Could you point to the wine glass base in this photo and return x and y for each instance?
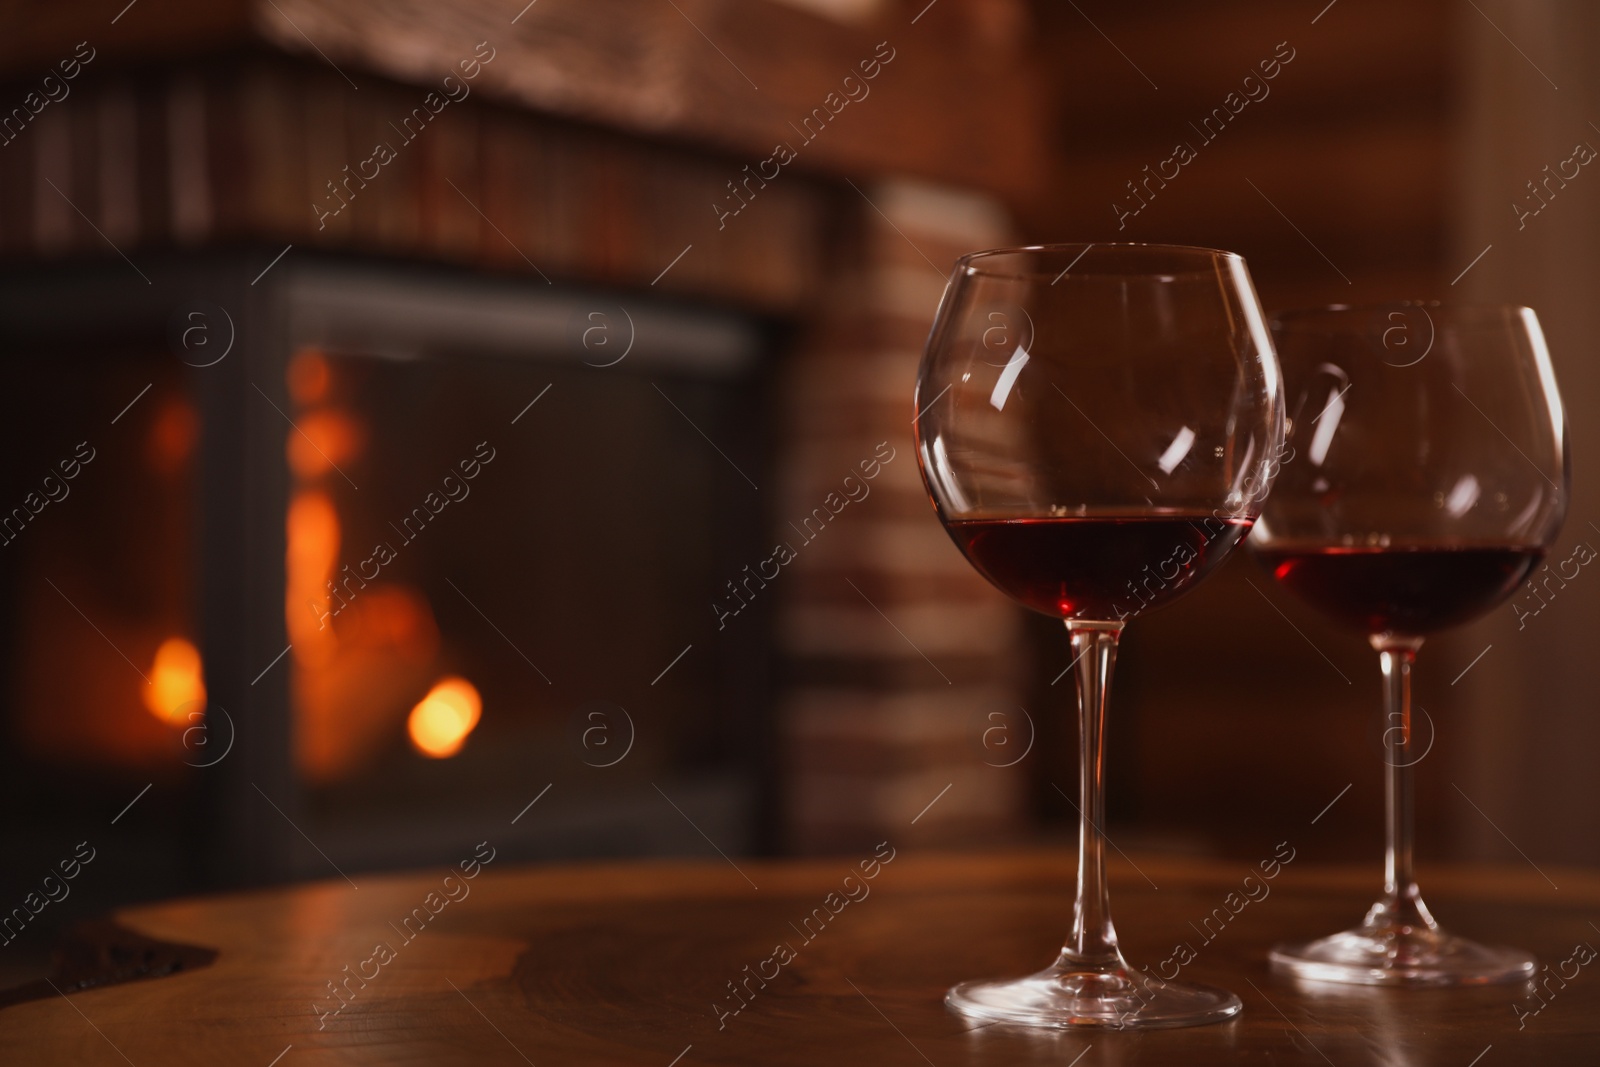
(1065, 997)
(1402, 956)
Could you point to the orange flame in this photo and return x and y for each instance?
(313, 551)
(309, 377)
(441, 721)
(174, 432)
(323, 439)
(176, 681)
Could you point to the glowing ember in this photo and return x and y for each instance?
(176, 681)
(441, 721)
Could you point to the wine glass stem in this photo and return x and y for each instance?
(1093, 941)
(1396, 657)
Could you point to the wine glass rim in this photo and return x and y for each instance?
(1473, 306)
(971, 262)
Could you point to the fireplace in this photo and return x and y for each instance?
(470, 581)
(452, 513)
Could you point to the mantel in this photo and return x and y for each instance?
(959, 104)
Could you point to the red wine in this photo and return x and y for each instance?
(1402, 589)
(1100, 568)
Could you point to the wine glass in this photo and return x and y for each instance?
(1428, 477)
(1097, 426)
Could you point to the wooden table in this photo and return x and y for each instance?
(626, 964)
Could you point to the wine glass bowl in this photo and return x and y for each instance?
(1428, 477)
(1047, 354)
(1460, 443)
(1097, 426)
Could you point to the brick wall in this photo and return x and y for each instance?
(895, 648)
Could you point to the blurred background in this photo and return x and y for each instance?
(436, 423)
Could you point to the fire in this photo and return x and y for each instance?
(174, 432)
(363, 647)
(309, 377)
(441, 721)
(321, 440)
(313, 552)
(176, 681)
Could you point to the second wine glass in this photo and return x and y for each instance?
(1429, 476)
(1097, 426)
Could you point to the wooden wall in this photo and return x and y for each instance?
(1233, 729)
(1349, 143)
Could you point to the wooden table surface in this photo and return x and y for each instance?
(628, 964)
